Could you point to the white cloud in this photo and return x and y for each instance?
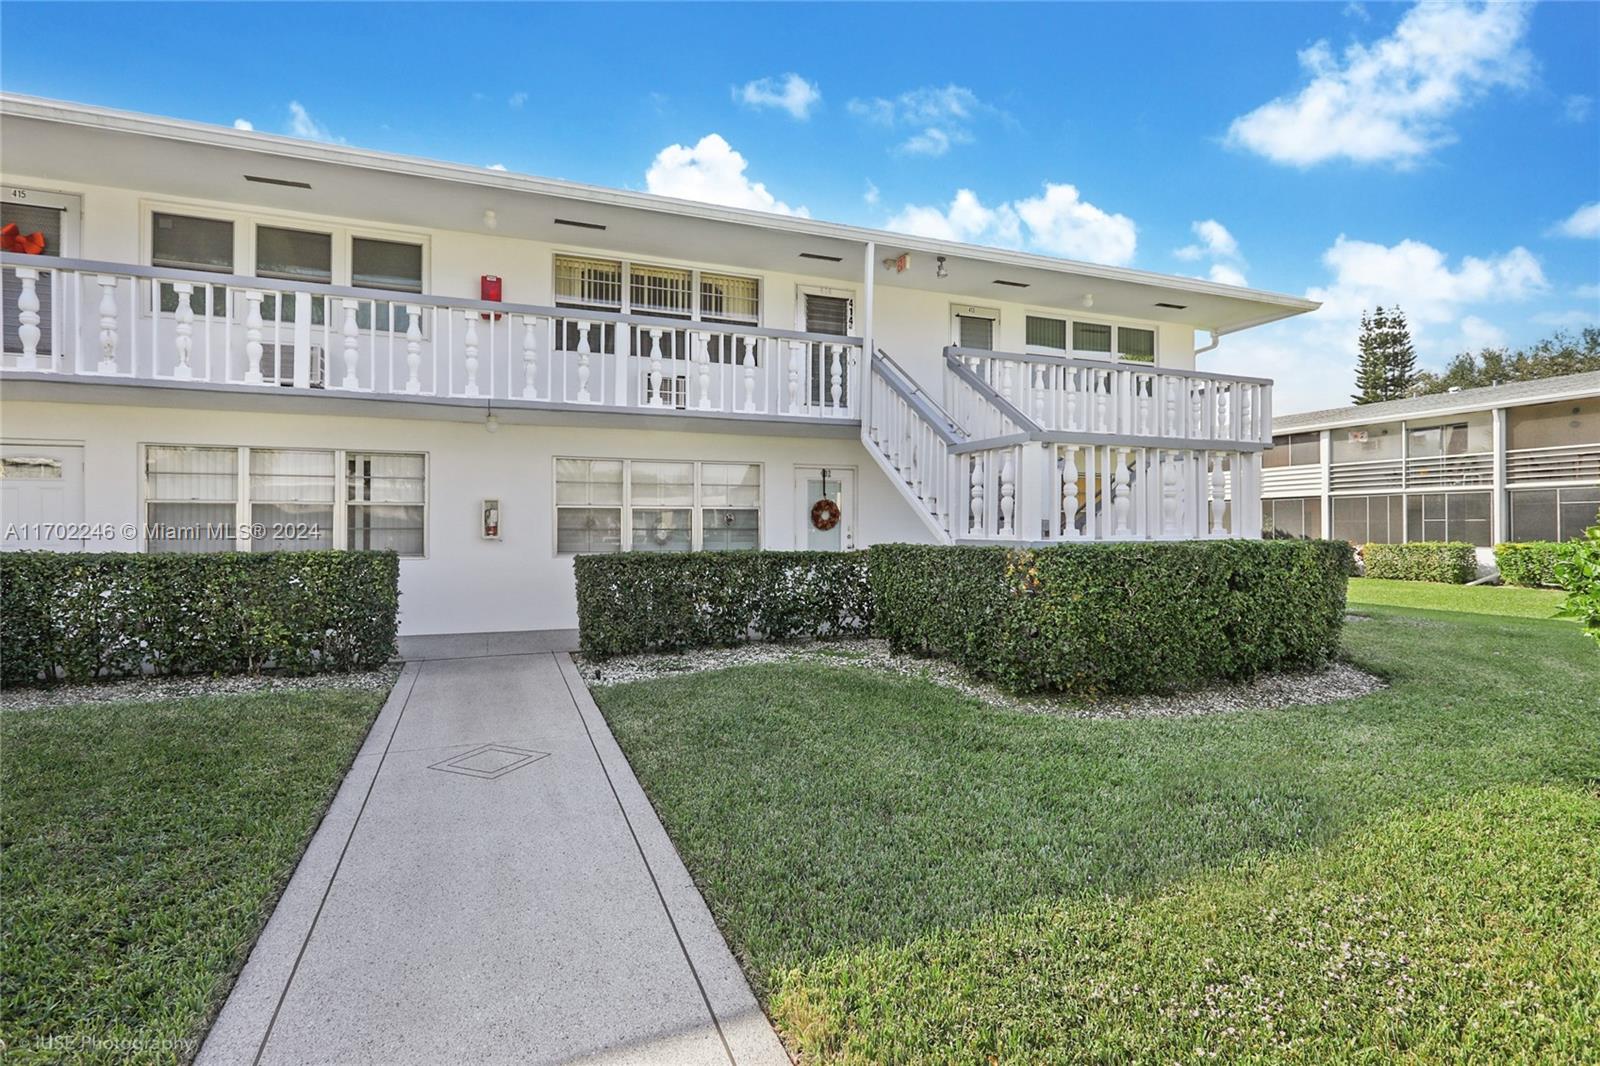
(1566, 319)
(1312, 357)
(516, 100)
(243, 124)
(790, 93)
(495, 166)
(1587, 292)
(711, 172)
(933, 118)
(1477, 334)
(1389, 102)
(301, 124)
(870, 197)
(1584, 222)
(1223, 274)
(1577, 107)
(1057, 222)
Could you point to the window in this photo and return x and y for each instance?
(191, 498)
(1050, 333)
(294, 255)
(1294, 449)
(1369, 519)
(726, 298)
(1136, 344)
(595, 284)
(588, 505)
(394, 266)
(291, 500)
(1297, 517)
(384, 497)
(193, 495)
(611, 505)
(1553, 514)
(1437, 440)
(1553, 425)
(662, 512)
(830, 315)
(1359, 443)
(975, 331)
(660, 291)
(1460, 516)
(185, 242)
(1091, 337)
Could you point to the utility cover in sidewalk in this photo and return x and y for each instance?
(490, 761)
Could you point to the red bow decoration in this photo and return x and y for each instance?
(14, 240)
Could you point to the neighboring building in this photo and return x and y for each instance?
(1509, 462)
(236, 341)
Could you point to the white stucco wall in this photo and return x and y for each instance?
(466, 583)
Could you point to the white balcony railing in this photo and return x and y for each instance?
(1566, 462)
(110, 321)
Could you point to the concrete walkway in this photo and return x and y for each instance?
(491, 885)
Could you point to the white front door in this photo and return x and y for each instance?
(41, 496)
(812, 485)
(53, 219)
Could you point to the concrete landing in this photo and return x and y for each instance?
(491, 885)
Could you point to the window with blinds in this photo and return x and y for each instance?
(1091, 337)
(191, 498)
(1048, 333)
(395, 266)
(828, 315)
(291, 500)
(730, 506)
(660, 291)
(975, 331)
(728, 298)
(186, 242)
(293, 255)
(589, 506)
(1136, 344)
(384, 499)
(612, 505)
(661, 511)
(591, 283)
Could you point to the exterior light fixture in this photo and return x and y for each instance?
(490, 219)
(939, 269)
(1088, 299)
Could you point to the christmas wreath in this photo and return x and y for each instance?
(824, 514)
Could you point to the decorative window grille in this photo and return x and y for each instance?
(727, 298)
(660, 291)
(591, 283)
(384, 500)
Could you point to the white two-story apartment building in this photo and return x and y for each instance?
(219, 340)
(1512, 462)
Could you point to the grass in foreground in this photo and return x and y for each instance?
(833, 817)
(1504, 600)
(144, 847)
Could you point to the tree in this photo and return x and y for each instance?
(1387, 366)
(1554, 356)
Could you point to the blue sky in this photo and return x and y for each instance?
(1441, 156)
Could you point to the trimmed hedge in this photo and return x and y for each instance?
(1450, 562)
(1579, 574)
(1126, 618)
(641, 601)
(83, 615)
(1533, 563)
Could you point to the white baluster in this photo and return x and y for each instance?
(1143, 384)
(351, 333)
(1196, 410)
(1246, 394)
(108, 323)
(1121, 501)
(1008, 493)
(1005, 380)
(977, 525)
(28, 331)
(184, 341)
(836, 374)
(1102, 398)
(252, 339)
(1224, 422)
(1070, 380)
(702, 358)
(796, 354)
(1069, 491)
(1170, 427)
(583, 362)
(1218, 492)
(748, 358)
(1170, 487)
(414, 347)
(652, 341)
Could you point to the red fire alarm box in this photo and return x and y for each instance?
(489, 291)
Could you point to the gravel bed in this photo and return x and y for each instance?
(148, 689)
(1337, 681)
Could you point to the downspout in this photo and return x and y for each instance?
(1216, 339)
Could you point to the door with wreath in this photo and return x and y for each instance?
(825, 508)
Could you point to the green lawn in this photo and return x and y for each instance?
(144, 846)
(1505, 600)
(908, 875)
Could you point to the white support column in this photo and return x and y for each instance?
(1499, 504)
(863, 401)
(1326, 491)
(1035, 489)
